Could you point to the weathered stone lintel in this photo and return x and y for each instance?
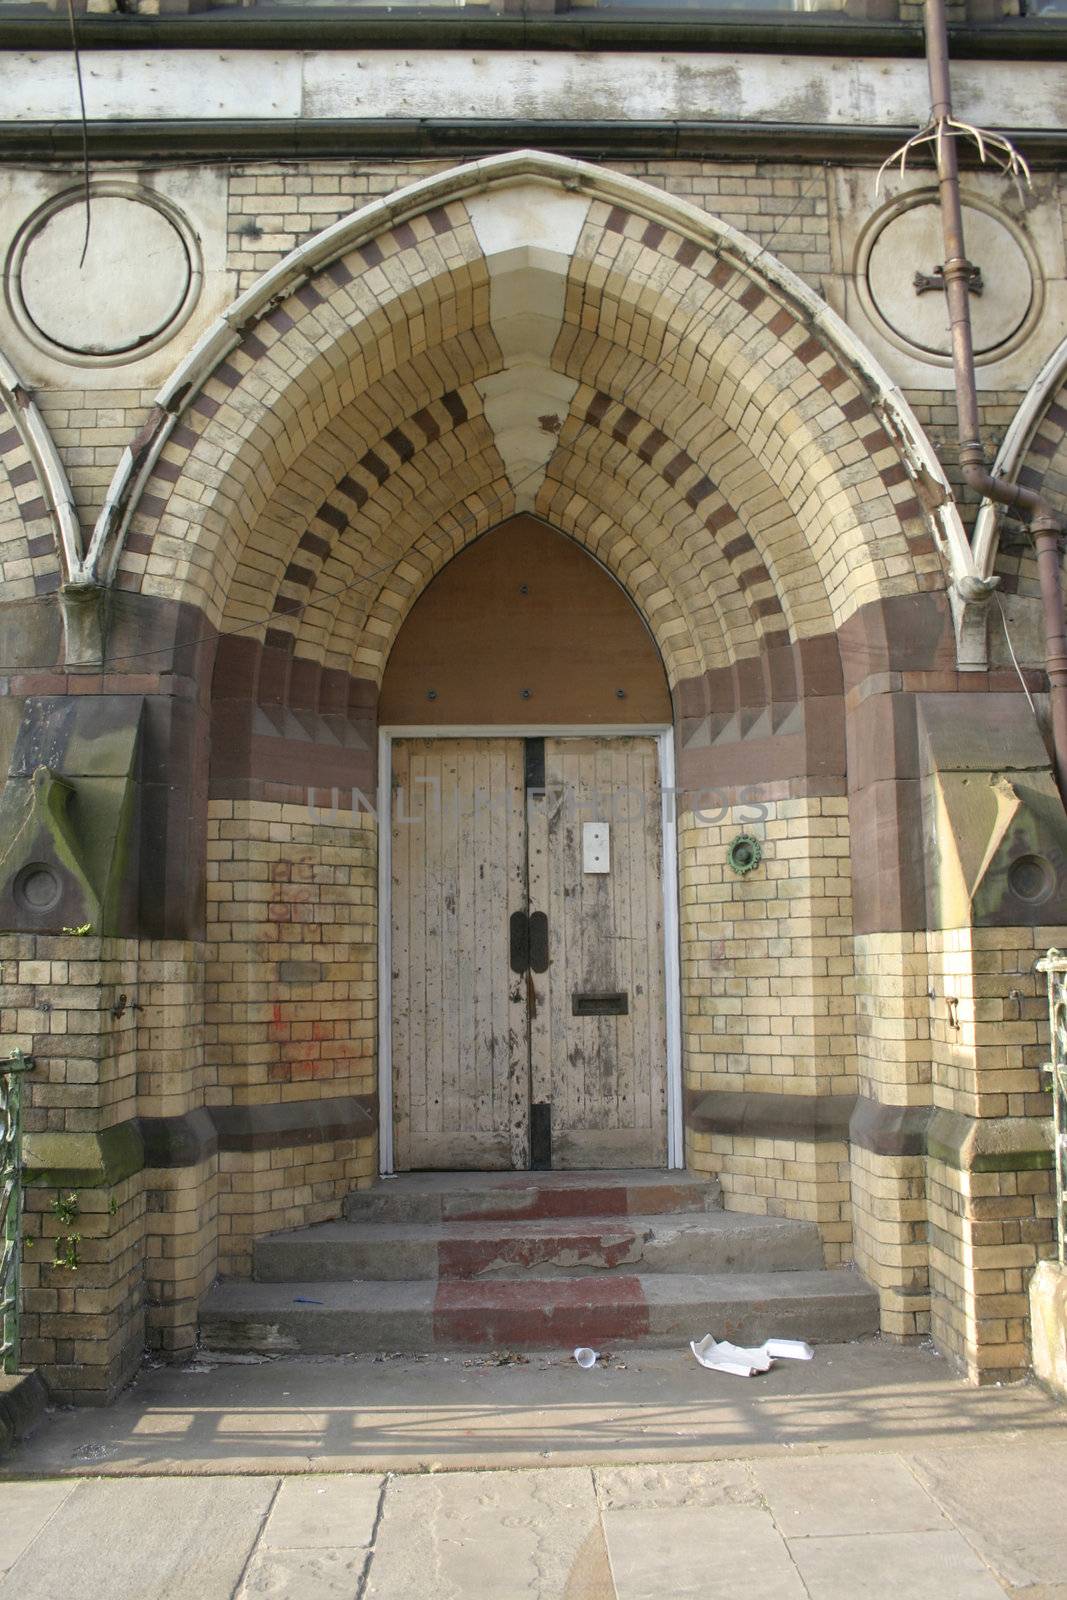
(819, 1118)
(889, 1130)
(248, 1128)
(83, 1160)
(990, 1144)
(100, 1160)
(971, 1144)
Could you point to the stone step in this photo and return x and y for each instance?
(530, 1196)
(702, 1242)
(651, 1309)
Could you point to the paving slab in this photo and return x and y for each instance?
(1016, 1520)
(115, 1539)
(403, 1415)
(697, 1483)
(324, 1513)
(919, 1566)
(302, 1575)
(699, 1553)
(27, 1507)
(466, 1536)
(658, 1531)
(846, 1495)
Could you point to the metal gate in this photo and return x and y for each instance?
(11, 1072)
(1055, 967)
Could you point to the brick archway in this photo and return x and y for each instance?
(525, 334)
(683, 383)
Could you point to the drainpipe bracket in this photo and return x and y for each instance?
(969, 597)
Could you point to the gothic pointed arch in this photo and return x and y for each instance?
(529, 333)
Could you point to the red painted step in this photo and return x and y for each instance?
(690, 1241)
(658, 1309)
(537, 1261)
(530, 1196)
(528, 1314)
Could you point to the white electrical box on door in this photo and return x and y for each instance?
(596, 847)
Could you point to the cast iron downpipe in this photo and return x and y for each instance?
(1045, 523)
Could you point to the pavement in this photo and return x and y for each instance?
(870, 1471)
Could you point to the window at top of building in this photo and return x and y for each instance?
(907, 12)
(586, 10)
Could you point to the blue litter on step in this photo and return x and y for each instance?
(301, 1300)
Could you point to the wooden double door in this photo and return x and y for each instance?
(528, 1014)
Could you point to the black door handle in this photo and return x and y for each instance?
(519, 941)
(538, 942)
(528, 941)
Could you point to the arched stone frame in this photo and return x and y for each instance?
(767, 308)
(40, 537)
(531, 331)
(1016, 444)
(1033, 453)
(746, 584)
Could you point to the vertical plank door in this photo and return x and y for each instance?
(459, 1023)
(603, 1073)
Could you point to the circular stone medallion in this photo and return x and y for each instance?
(1032, 879)
(910, 241)
(37, 889)
(133, 284)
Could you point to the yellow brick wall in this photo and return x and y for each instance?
(989, 1018)
(268, 1190)
(893, 1017)
(989, 1039)
(767, 1002)
(181, 1251)
(889, 1219)
(286, 887)
(767, 958)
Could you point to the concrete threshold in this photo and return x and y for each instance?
(451, 1412)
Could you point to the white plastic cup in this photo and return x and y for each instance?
(585, 1357)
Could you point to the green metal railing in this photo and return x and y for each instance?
(11, 1074)
(1055, 968)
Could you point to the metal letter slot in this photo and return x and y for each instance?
(600, 1005)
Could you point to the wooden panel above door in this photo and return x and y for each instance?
(524, 628)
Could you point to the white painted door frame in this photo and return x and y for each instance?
(664, 736)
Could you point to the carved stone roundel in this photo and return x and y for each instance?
(911, 242)
(133, 284)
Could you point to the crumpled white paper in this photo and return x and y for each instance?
(726, 1357)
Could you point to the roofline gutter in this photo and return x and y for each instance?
(432, 138)
(319, 29)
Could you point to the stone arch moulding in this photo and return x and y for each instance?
(1013, 451)
(794, 330)
(35, 444)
